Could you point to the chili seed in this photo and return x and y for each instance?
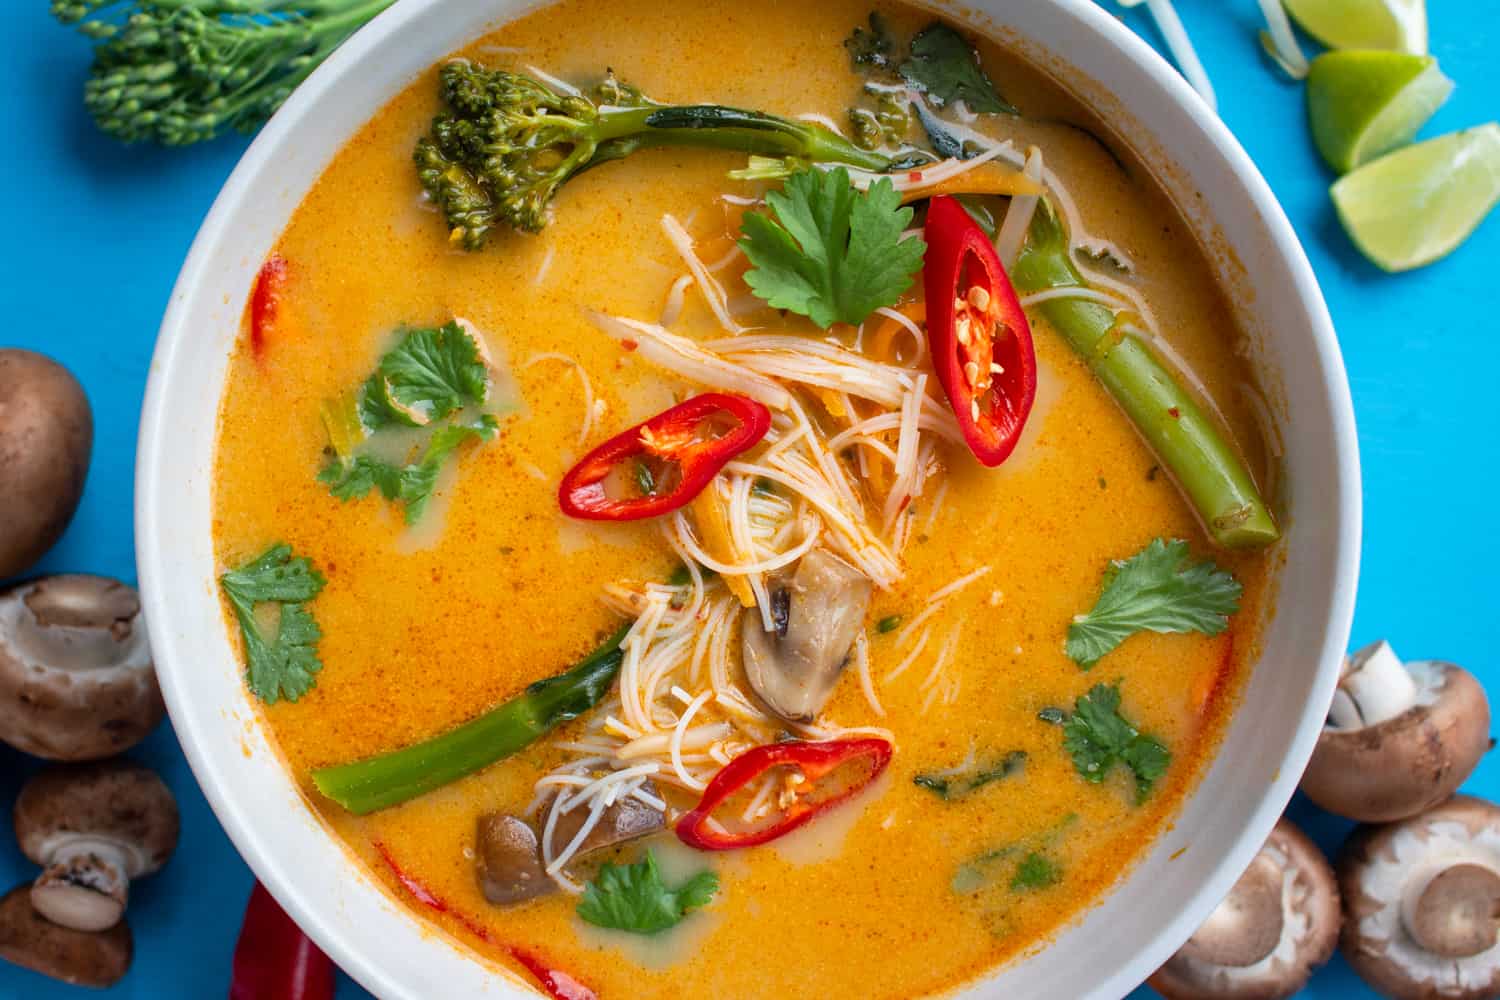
(979, 298)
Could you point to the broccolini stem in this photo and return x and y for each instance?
(392, 778)
(1206, 467)
(717, 127)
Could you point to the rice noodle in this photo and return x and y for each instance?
(713, 292)
(685, 358)
(583, 379)
(671, 310)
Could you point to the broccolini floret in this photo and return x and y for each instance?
(505, 143)
(181, 71)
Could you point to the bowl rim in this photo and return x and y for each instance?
(363, 961)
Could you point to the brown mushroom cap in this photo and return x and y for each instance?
(94, 828)
(1404, 765)
(75, 957)
(508, 862)
(508, 858)
(1278, 924)
(76, 681)
(1423, 903)
(46, 435)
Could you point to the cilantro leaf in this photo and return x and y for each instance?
(1098, 737)
(1036, 871)
(411, 485)
(428, 375)
(633, 898)
(832, 253)
(946, 68)
(951, 785)
(1156, 590)
(285, 666)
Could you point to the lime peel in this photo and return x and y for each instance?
(1415, 206)
(1363, 104)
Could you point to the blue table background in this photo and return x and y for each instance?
(97, 232)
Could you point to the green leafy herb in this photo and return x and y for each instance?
(832, 253)
(429, 375)
(411, 485)
(951, 785)
(1036, 871)
(633, 898)
(888, 624)
(286, 664)
(1098, 738)
(945, 67)
(1052, 716)
(1158, 590)
(872, 49)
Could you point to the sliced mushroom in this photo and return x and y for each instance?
(1423, 903)
(1400, 738)
(818, 615)
(77, 957)
(76, 681)
(93, 828)
(46, 435)
(1278, 924)
(509, 859)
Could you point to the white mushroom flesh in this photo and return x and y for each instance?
(1296, 926)
(1402, 873)
(43, 645)
(1377, 687)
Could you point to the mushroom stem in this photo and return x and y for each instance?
(1452, 910)
(1375, 687)
(85, 887)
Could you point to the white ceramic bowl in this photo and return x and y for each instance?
(1157, 905)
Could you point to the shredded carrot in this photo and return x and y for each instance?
(980, 180)
(712, 520)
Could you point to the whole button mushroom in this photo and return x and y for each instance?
(93, 828)
(76, 681)
(1278, 924)
(1423, 903)
(1400, 738)
(77, 957)
(46, 435)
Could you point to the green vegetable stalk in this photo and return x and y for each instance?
(506, 143)
(390, 779)
(181, 71)
(1205, 466)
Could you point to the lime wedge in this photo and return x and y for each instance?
(1398, 25)
(1412, 207)
(1363, 104)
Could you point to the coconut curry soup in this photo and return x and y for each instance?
(736, 519)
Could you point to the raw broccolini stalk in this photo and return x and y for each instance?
(182, 71)
(1185, 439)
(506, 143)
(392, 778)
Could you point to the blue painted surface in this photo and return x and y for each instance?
(97, 231)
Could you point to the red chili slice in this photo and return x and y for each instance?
(558, 984)
(265, 301)
(814, 762)
(658, 466)
(980, 340)
(274, 960)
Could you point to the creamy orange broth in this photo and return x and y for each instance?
(425, 628)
